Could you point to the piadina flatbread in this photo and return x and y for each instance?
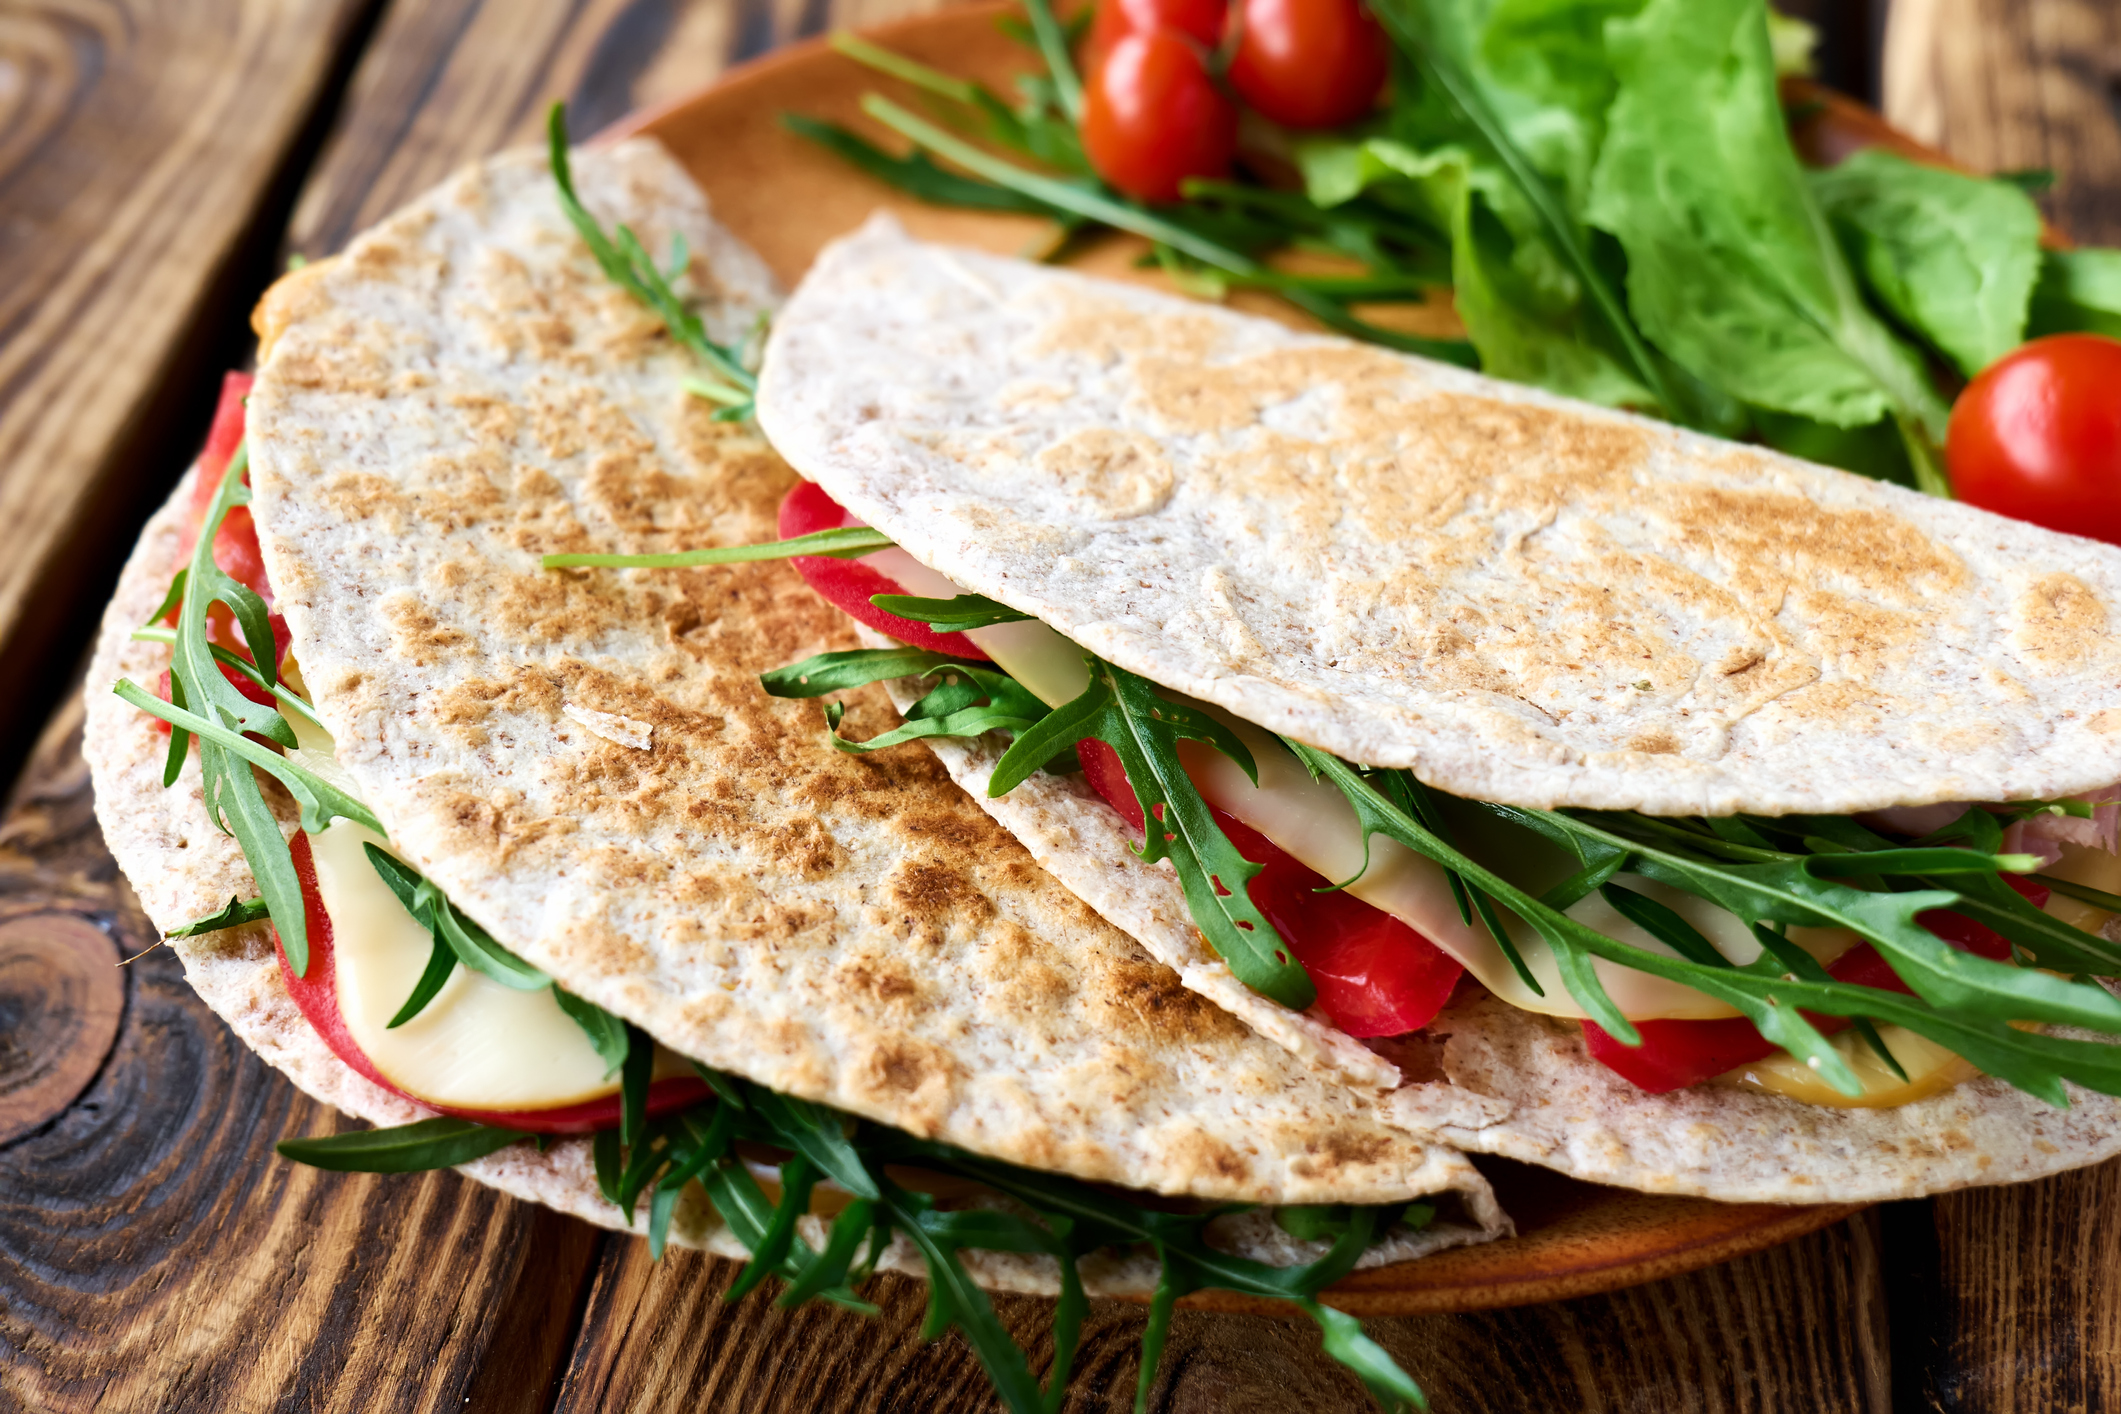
(1522, 599)
(585, 764)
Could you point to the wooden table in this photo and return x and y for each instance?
(158, 160)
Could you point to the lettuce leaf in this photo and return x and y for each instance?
(1733, 270)
(1950, 256)
(2079, 292)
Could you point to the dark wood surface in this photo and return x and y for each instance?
(154, 1255)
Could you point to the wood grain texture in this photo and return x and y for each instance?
(2006, 85)
(154, 1254)
(450, 81)
(1794, 1328)
(143, 143)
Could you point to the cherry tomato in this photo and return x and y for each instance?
(1152, 117)
(1198, 20)
(850, 583)
(1375, 975)
(2038, 436)
(1308, 63)
(1676, 1054)
(316, 996)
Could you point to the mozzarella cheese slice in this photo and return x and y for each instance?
(477, 1044)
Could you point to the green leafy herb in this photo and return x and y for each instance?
(1057, 1217)
(238, 912)
(844, 543)
(473, 945)
(1964, 1003)
(606, 1033)
(205, 705)
(953, 615)
(1099, 206)
(409, 1148)
(1144, 727)
(289, 699)
(916, 173)
(629, 266)
(1952, 257)
(971, 700)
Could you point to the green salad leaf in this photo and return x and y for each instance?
(1733, 269)
(1951, 257)
(2079, 292)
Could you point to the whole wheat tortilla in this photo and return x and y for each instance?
(1522, 598)
(183, 868)
(461, 392)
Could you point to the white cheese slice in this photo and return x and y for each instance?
(477, 1044)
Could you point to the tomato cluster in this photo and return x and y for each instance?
(1166, 78)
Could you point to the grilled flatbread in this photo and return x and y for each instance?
(586, 765)
(1522, 599)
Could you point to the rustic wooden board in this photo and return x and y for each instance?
(144, 147)
(154, 1255)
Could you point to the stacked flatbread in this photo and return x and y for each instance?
(585, 764)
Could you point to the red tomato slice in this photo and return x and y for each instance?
(235, 544)
(1676, 1054)
(1152, 116)
(1309, 63)
(1375, 975)
(850, 583)
(317, 996)
(2037, 436)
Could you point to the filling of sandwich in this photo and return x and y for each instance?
(394, 979)
(1385, 950)
(414, 995)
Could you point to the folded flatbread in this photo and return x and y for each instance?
(1522, 599)
(585, 764)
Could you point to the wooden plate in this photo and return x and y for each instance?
(787, 198)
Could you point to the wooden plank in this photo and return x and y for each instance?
(2006, 85)
(1794, 1328)
(451, 81)
(143, 146)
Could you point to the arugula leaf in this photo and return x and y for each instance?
(626, 264)
(155, 632)
(916, 173)
(972, 699)
(844, 543)
(1129, 714)
(425, 1144)
(1951, 256)
(953, 615)
(606, 1032)
(1164, 228)
(1983, 998)
(473, 946)
(237, 913)
(1732, 267)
